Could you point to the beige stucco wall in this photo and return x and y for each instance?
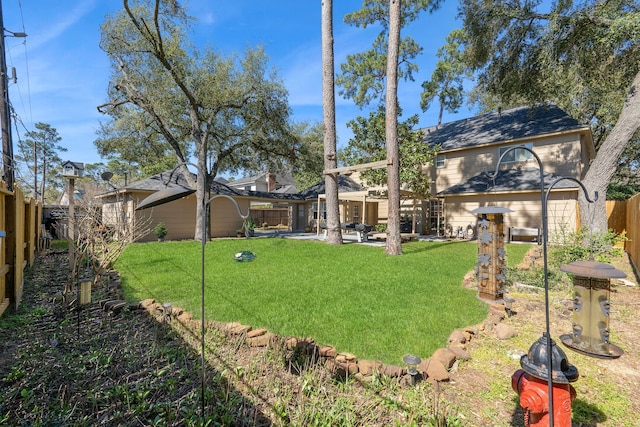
(225, 219)
(179, 217)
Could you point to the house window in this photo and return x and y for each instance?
(356, 214)
(517, 155)
(315, 210)
(436, 215)
(440, 161)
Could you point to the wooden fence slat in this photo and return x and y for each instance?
(20, 222)
(632, 246)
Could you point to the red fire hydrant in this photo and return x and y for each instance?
(531, 384)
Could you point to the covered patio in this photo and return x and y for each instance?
(369, 208)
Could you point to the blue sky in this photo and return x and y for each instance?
(63, 75)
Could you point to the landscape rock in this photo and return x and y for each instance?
(393, 371)
(444, 356)
(291, 343)
(472, 330)
(504, 331)
(146, 303)
(240, 329)
(328, 351)
(368, 367)
(495, 319)
(457, 336)
(460, 353)
(346, 368)
(256, 333)
(497, 311)
(261, 340)
(184, 317)
(434, 370)
(345, 357)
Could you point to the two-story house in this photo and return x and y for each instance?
(473, 146)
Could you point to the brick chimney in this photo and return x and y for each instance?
(271, 182)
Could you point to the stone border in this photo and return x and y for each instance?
(436, 368)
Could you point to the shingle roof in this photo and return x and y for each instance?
(345, 185)
(161, 181)
(517, 123)
(515, 179)
(281, 179)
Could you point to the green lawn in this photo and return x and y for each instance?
(351, 296)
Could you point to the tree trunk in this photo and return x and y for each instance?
(394, 243)
(202, 196)
(604, 165)
(334, 235)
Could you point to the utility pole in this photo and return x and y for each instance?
(5, 114)
(5, 109)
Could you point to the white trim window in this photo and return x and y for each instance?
(517, 155)
(315, 210)
(440, 161)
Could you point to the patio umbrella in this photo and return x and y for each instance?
(164, 196)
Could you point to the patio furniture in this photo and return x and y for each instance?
(524, 235)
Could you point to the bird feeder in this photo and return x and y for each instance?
(591, 307)
(491, 265)
(85, 291)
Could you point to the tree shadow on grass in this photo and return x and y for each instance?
(106, 366)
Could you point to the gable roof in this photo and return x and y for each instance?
(284, 182)
(77, 165)
(164, 180)
(516, 179)
(345, 185)
(176, 180)
(262, 177)
(501, 126)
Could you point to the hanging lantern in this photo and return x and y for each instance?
(491, 265)
(591, 307)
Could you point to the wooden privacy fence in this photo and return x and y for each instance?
(272, 217)
(632, 221)
(625, 216)
(20, 221)
(617, 215)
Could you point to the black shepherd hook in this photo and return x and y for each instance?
(544, 198)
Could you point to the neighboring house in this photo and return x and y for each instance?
(265, 182)
(471, 147)
(78, 195)
(179, 211)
